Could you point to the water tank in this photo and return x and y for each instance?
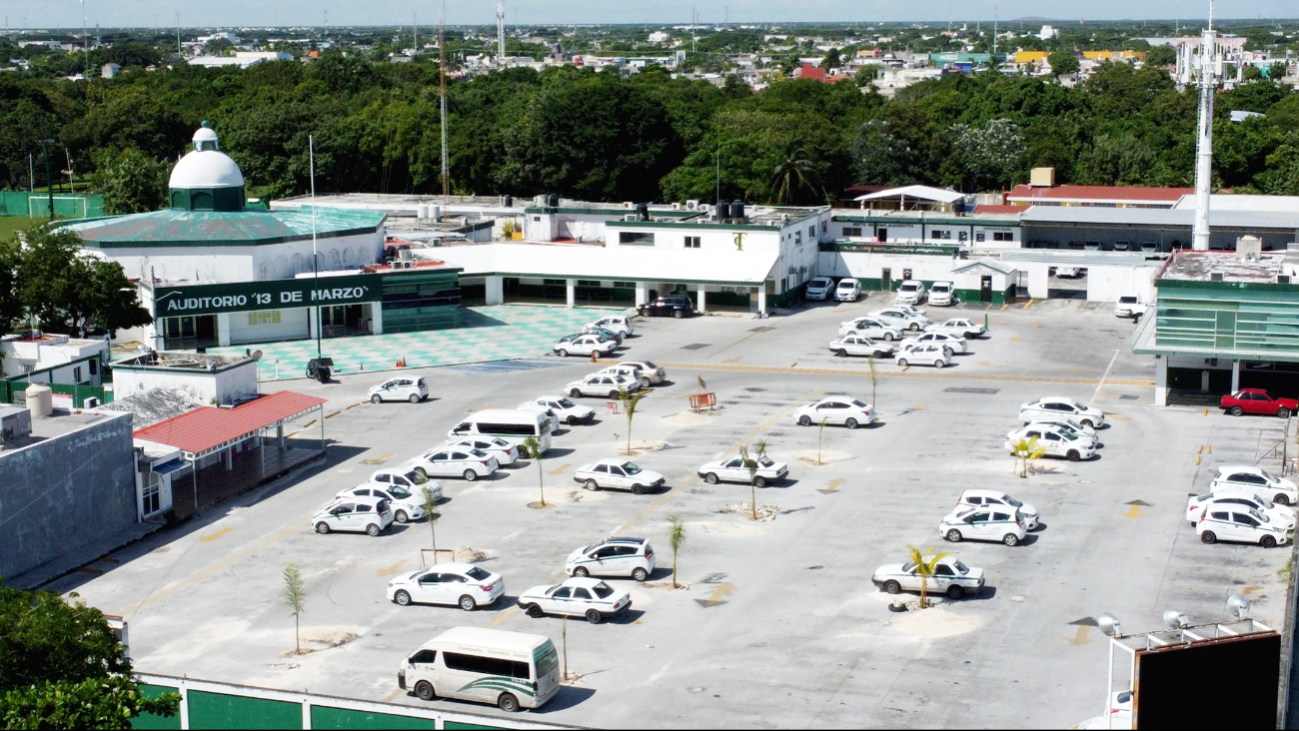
(552, 200)
(737, 210)
(421, 211)
(40, 400)
(435, 212)
(642, 211)
(507, 201)
(723, 209)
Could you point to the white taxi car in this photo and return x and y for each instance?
(1061, 406)
(1232, 498)
(849, 290)
(983, 523)
(734, 470)
(942, 294)
(1240, 524)
(1066, 422)
(1257, 480)
(870, 327)
(998, 500)
(363, 515)
(818, 288)
(576, 597)
(464, 462)
(560, 408)
(618, 474)
(616, 556)
(403, 388)
(406, 505)
(504, 452)
(906, 319)
(954, 343)
(617, 324)
(860, 345)
(836, 410)
(655, 374)
(457, 584)
(911, 292)
(602, 385)
(937, 355)
(1055, 441)
(960, 326)
(584, 344)
(951, 577)
(628, 371)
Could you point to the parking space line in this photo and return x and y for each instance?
(1026, 304)
(1105, 375)
(942, 374)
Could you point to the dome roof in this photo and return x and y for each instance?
(205, 134)
(206, 169)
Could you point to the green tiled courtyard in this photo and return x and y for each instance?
(501, 332)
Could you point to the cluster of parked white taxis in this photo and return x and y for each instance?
(601, 337)
(1060, 426)
(1245, 504)
(906, 335)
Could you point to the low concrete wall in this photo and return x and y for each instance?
(65, 492)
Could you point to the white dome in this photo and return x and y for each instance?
(206, 169)
(205, 134)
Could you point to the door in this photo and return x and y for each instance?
(581, 601)
(561, 601)
(981, 525)
(343, 517)
(429, 589)
(618, 478)
(985, 288)
(886, 274)
(882, 234)
(605, 561)
(943, 575)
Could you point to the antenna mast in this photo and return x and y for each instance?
(500, 32)
(1209, 71)
(442, 88)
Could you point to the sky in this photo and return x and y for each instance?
(40, 14)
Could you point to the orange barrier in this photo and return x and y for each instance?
(700, 401)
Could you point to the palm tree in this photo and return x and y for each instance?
(751, 464)
(793, 174)
(431, 510)
(1025, 450)
(925, 563)
(295, 595)
(676, 537)
(871, 360)
(532, 449)
(629, 402)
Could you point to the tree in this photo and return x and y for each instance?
(751, 463)
(1277, 71)
(62, 288)
(11, 307)
(820, 432)
(879, 156)
(832, 60)
(1025, 450)
(1251, 73)
(532, 449)
(988, 157)
(1063, 63)
(295, 595)
(676, 539)
(794, 174)
(629, 402)
(1161, 56)
(131, 182)
(871, 360)
(431, 510)
(925, 563)
(61, 667)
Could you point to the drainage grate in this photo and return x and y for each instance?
(961, 389)
(695, 346)
(1129, 397)
(762, 329)
(755, 389)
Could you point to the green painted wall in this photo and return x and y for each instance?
(324, 717)
(220, 711)
(469, 726)
(151, 721)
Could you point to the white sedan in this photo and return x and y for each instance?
(619, 474)
(655, 374)
(364, 515)
(849, 412)
(1061, 406)
(1258, 481)
(1240, 524)
(963, 327)
(464, 462)
(601, 385)
(733, 470)
(504, 452)
(984, 523)
(404, 388)
(1055, 441)
(1198, 505)
(860, 345)
(584, 344)
(457, 584)
(576, 597)
(951, 577)
(870, 327)
(954, 343)
(998, 500)
(560, 408)
(934, 354)
(617, 324)
(903, 318)
(630, 372)
(406, 505)
(1069, 423)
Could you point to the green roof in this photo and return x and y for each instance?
(223, 228)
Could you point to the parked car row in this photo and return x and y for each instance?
(910, 292)
(1245, 504)
(919, 340)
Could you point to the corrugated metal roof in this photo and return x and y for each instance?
(1181, 217)
(1071, 258)
(580, 261)
(207, 228)
(203, 430)
(1099, 193)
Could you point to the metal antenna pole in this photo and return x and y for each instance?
(1204, 139)
(414, 24)
(315, 258)
(85, 41)
(500, 32)
(442, 84)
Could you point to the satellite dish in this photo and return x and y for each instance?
(257, 355)
(1109, 624)
(1238, 606)
(1174, 619)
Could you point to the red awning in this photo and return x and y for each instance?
(206, 429)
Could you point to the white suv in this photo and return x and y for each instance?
(354, 516)
(911, 292)
(1231, 498)
(405, 388)
(1002, 524)
(617, 556)
(924, 354)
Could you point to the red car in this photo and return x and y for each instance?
(1258, 401)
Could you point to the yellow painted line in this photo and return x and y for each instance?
(336, 413)
(1119, 418)
(304, 426)
(484, 408)
(733, 360)
(394, 694)
(1035, 324)
(1014, 339)
(291, 434)
(379, 460)
(918, 407)
(1133, 512)
(558, 470)
(1003, 307)
(392, 569)
(834, 485)
(1080, 638)
(89, 570)
(938, 374)
(503, 616)
(1026, 304)
(358, 403)
(722, 591)
(214, 569)
(214, 536)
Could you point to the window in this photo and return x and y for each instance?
(522, 430)
(940, 234)
(588, 283)
(536, 219)
(811, 233)
(624, 285)
(94, 367)
(635, 238)
(76, 374)
(424, 657)
(486, 665)
(825, 226)
(151, 499)
(581, 594)
(798, 238)
(692, 242)
(852, 232)
(943, 570)
(554, 282)
(1003, 236)
(980, 236)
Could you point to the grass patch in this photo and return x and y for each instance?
(11, 224)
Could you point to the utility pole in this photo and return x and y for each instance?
(694, 20)
(85, 42)
(1208, 79)
(315, 258)
(442, 88)
(414, 25)
(49, 181)
(500, 32)
(180, 51)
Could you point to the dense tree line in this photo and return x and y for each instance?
(602, 136)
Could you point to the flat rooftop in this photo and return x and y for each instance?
(398, 203)
(185, 361)
(60, 423)
(1202, 266)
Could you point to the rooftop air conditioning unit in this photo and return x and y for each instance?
(676, 206)
(1283, 279)
(629, 205)
(1215, 276)
(539, 199)
(631, 217)
(703, 208)
(692, 205)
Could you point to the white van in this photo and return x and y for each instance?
(512, 426)
(512, 670)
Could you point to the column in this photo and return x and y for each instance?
(1161, 380)
(279, 434)
(1038, 281)
(762, 298)
(570, 287)
(223, 329)
(495, 290)
(228, 457)
(642, 293)
(376, 318)
(703, 296)
(1235, 376)
(313, 323)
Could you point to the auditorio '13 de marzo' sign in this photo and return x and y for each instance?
(276, 294)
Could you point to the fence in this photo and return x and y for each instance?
(37, 205)
(10, 390)
(210, 705)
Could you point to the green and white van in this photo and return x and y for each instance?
(512, 670)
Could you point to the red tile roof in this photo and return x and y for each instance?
(207, 428)
(985, 208)
(1099, 193)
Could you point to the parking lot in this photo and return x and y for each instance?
(779, 624)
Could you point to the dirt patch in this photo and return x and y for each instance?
(935, 623)
(317, 639)
(686, 418)
(640, 446)
(745, 510)
(827, 456)
(666, 585)
(465, 554)
(535, 505)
